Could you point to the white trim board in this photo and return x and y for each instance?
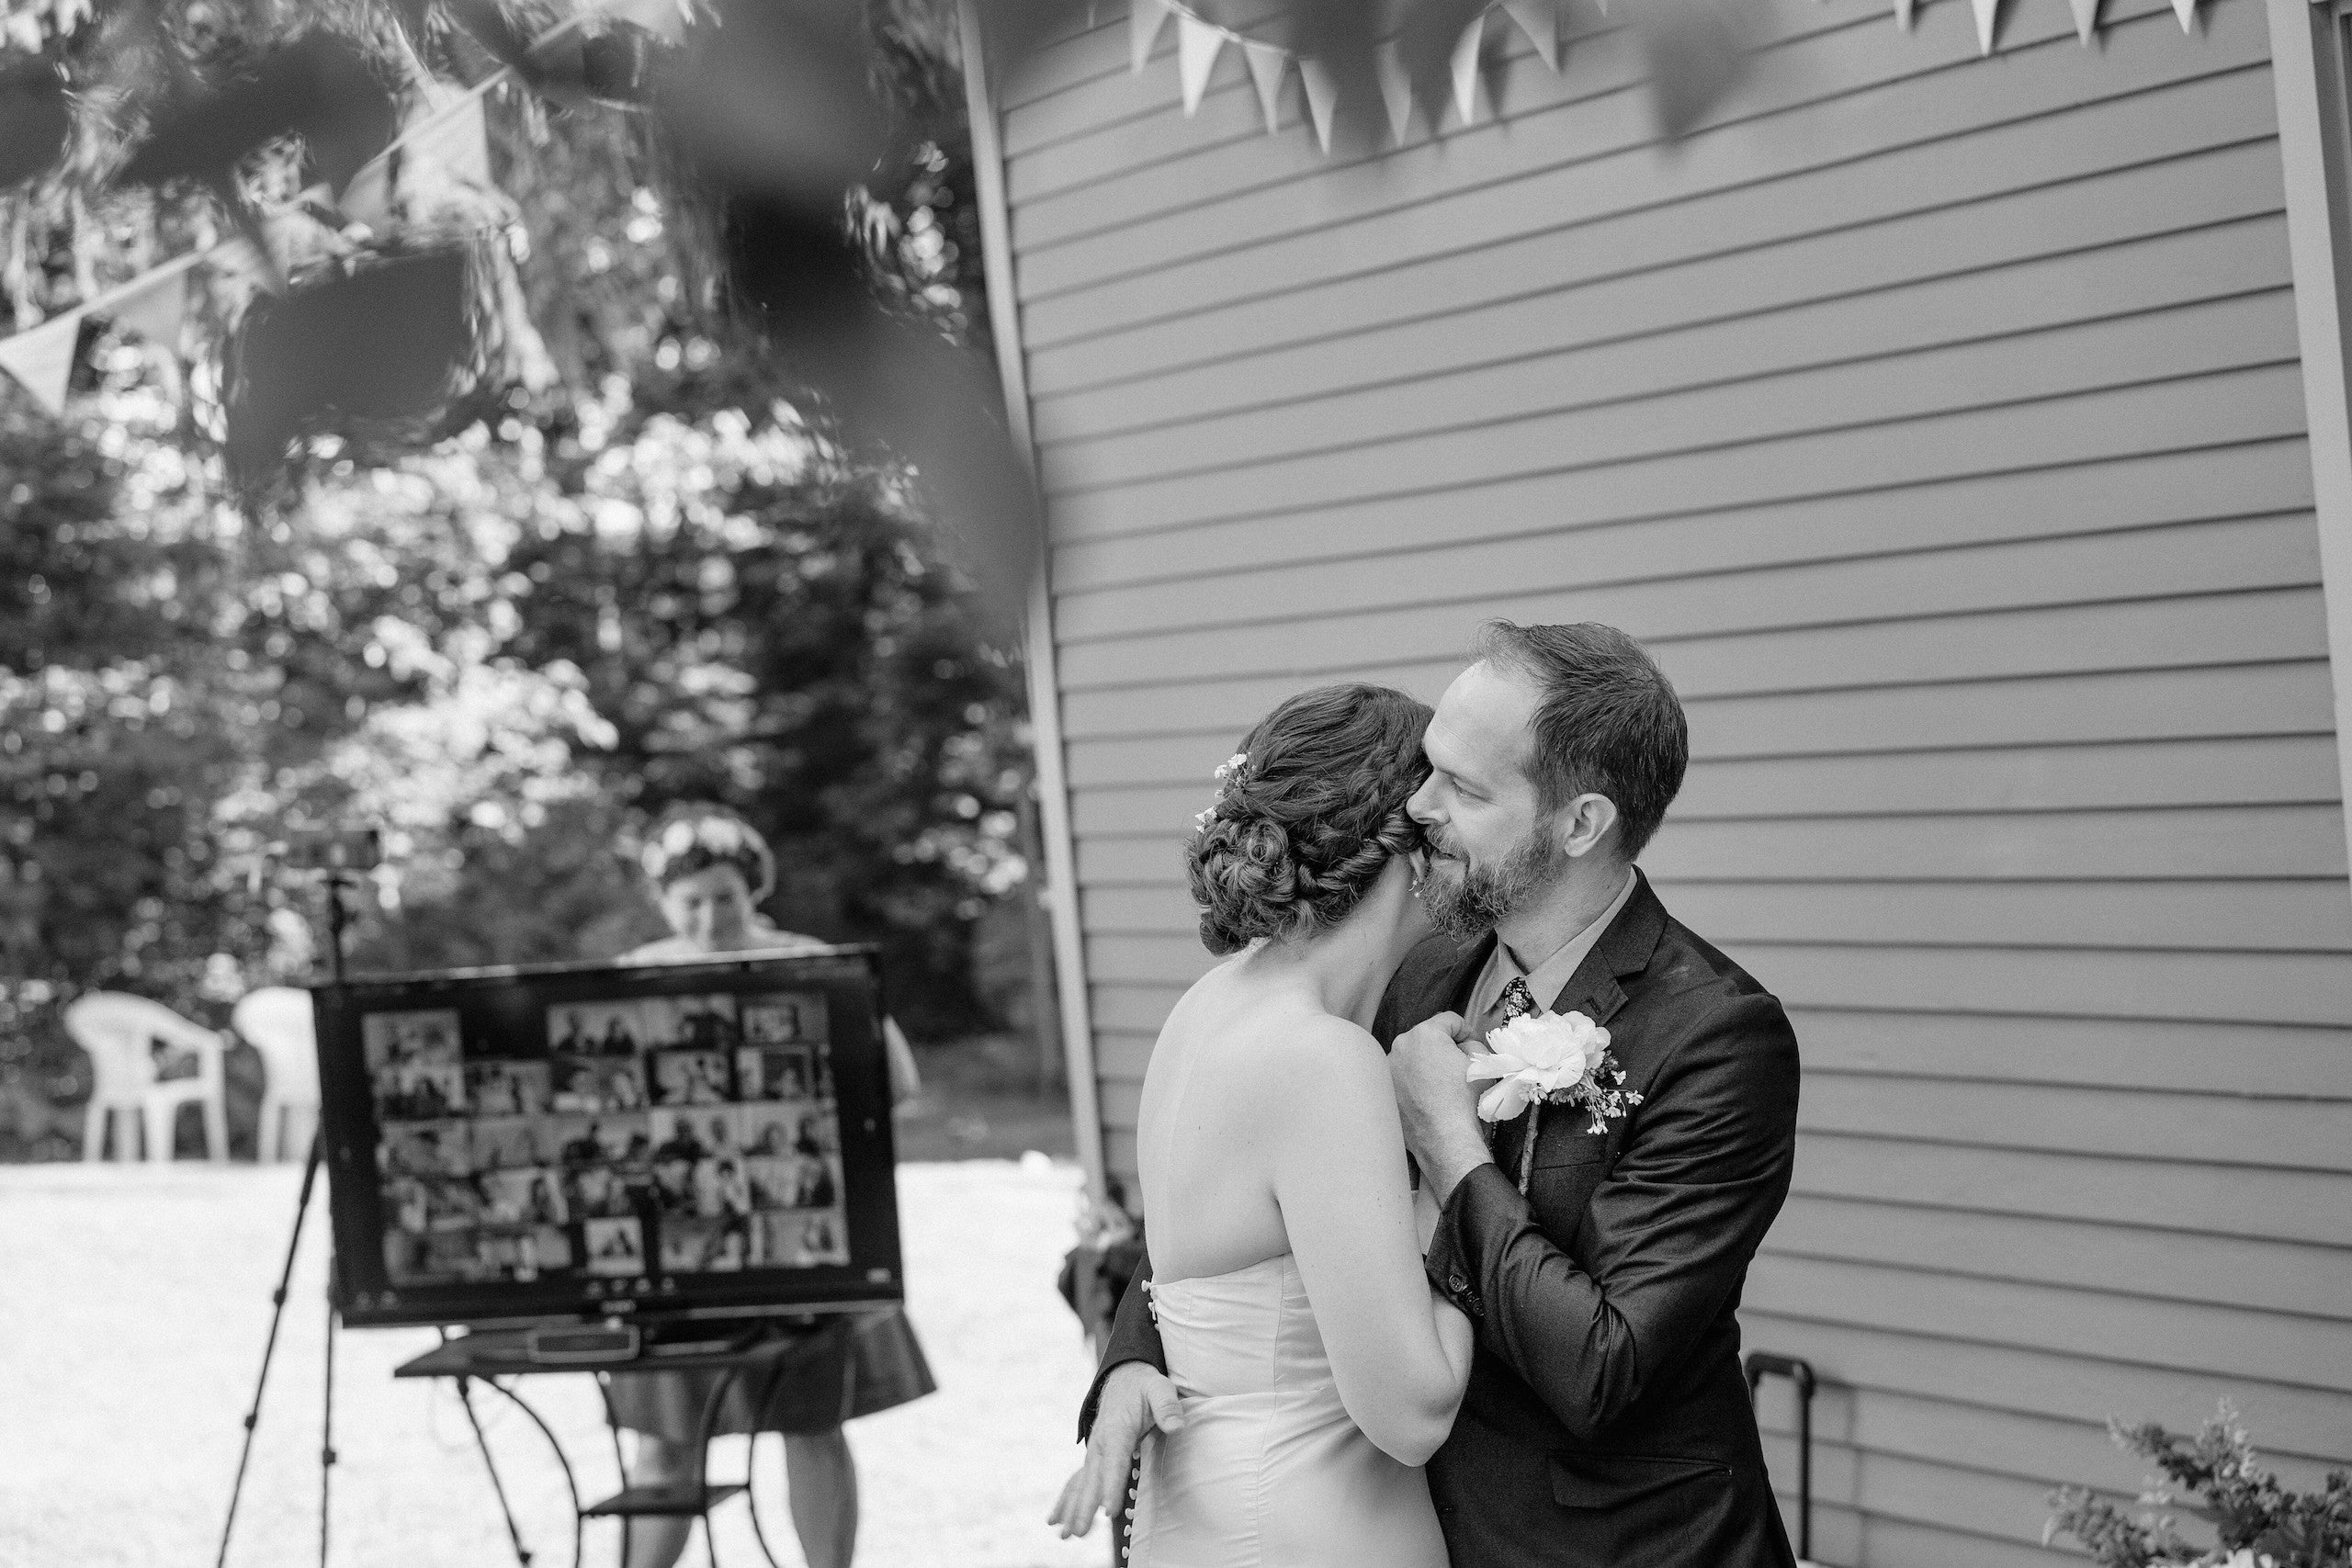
(2316, 151)
(1044, 693)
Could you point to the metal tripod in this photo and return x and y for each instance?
(311, 1165)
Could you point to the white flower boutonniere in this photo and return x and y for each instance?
(1549, 1059)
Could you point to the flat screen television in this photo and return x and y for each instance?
(709, 1138)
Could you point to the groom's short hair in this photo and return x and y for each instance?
(1607, 722)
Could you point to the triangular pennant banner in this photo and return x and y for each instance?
(1198, 44)
(665, 19)
(41, 358)
(445, 130)
(1465, 70)
(1988, 16)
(368, 198)
(156, 310)
(1902, 14)
(1322, 97)
(1396, 89)
(2085, 18)
(1266, 66)
(1144, 17)
(2186, 11)
(1540, 20)
(455, 136)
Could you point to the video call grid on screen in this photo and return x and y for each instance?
(522, 1144)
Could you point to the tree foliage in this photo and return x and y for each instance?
(506, 633)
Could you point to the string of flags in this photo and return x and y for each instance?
(1199, 42)
(444, 132)
(1988, 18)
(153, 305)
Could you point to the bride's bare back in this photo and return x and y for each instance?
(1209, 1128)
(1267, 1127)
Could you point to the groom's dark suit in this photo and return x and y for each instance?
(1607, 1423)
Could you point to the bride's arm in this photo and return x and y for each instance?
(1400, 1356)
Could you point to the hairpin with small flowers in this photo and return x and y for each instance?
(1228, 773)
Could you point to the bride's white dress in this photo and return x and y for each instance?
(1268, 1470)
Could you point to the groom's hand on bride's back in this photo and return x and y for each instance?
(1137, 1398)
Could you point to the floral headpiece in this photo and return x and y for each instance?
(1227, 773)
(693, 841)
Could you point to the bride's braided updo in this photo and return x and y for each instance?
(1309, 814)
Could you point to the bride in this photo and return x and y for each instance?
(1318, 1369)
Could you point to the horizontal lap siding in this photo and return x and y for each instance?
(1939, 423)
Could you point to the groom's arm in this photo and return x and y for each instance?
(1666, 1241)
(1134, 1337)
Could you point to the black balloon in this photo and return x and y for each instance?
(33, 122)
(319, 88)
(383, 342)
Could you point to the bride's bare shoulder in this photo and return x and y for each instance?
(1321, 1047)
(1264, 1036)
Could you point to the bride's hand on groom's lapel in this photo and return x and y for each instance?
(1437, 1101)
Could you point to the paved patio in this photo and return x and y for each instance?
(133, 1302)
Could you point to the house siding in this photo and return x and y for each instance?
(1939, 423)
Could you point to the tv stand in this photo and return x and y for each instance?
(753, 1350)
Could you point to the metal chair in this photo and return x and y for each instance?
(119, 1032)
(276, 1020)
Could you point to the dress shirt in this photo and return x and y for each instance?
(1550, 977)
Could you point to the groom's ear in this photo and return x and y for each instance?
(1584, 823)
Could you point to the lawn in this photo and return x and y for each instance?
(133, 1302)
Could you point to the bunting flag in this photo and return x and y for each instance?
(1144, 17)
(445, 131)
(1267, 64)
(1465, 70)
(1322, 97)
(40, 359)
(665, 19)
(1396, 88)
(153, 307)
(1540, 20)
(1198, 44)
(457, 137)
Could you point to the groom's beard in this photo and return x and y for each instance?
(1463, 900)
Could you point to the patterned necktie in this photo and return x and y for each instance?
(1517, 1001)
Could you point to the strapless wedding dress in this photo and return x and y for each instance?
(1268, 1470)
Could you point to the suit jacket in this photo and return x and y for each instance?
(1607, 1421)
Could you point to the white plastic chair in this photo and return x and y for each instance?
(276, 1021)
(118, 1032)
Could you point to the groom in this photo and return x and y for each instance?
(1607, 1423)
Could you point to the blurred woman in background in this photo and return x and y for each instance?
(710, 871)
